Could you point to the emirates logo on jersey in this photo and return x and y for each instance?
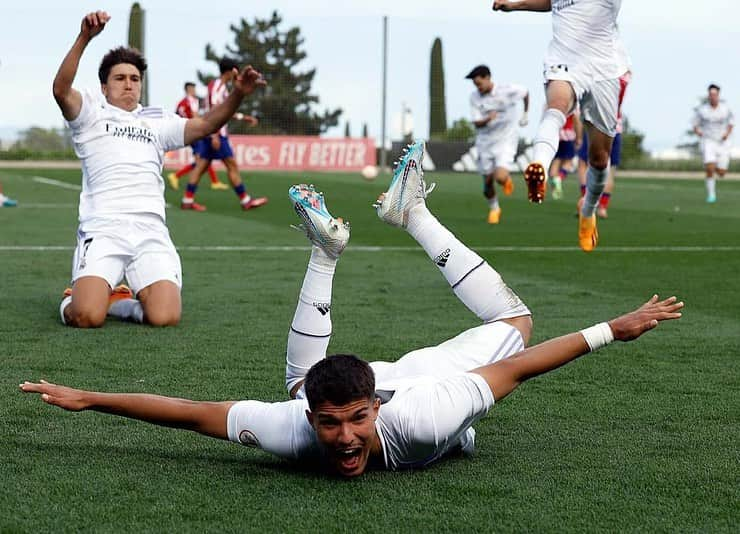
(558, 5)
(132, 133)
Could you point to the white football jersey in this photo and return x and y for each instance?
(122, 154)
(585, 38)
(714, 122)
(421, 419)
(504, 100)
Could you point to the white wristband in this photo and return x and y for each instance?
(598, 336)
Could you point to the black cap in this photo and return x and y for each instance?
(480, 70)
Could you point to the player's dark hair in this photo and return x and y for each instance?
(339, 379)
(713, 86)
(189, 84)
(480, 70)
(120, 55)
(227, 65)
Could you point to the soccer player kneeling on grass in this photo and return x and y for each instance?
(121, 145)
(349, 415)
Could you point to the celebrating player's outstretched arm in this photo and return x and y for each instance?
(68, 98)
(522, 5)
(208, 418)
(504, 376)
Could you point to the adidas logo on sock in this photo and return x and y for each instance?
(322, 307)
(441, 260)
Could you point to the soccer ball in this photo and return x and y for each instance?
(370, 172)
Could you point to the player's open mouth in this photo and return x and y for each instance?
(349, 459)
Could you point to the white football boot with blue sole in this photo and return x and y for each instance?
(329, 234)
(407, 187)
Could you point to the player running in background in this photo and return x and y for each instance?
(6, 202)
(571, 140)
(713, 123)
(350, 416)
(615, 156)
(188, 107)
(494, 110)
(217, 146)
(121, 145)
(583, 64)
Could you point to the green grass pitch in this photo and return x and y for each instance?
(637, 437)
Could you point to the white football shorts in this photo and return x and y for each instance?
(469, 350)
(598, 99)
(717, 152)
(493, 155)
(139, 249)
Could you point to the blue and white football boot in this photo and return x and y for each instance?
(407, 187)
(329, 234)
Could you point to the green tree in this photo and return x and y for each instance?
(461, 130)
(285, 106)
(42, 140)
(136, 40)
(437, 109)
(347, 131)
(632, 139)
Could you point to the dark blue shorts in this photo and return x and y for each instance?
(616, 155)
(204, 149)
(566, 150)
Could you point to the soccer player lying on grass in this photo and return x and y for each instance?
(121, 145)
(349, 415)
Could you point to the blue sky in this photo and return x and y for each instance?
(677, 48)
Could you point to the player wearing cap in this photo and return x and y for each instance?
(494, 109)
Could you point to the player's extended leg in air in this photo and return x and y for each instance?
(507, 321)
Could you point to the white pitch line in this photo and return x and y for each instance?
(366, 248)
(57, 183)
(45, 206)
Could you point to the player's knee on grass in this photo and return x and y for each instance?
(161, 317)
(85, 315)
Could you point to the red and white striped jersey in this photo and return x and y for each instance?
(217, 94)
(188, 107)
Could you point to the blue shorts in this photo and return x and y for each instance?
(204, 149)
(566, 150)
(616, 156)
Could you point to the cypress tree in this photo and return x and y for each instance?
(437, 110)
(136, 40)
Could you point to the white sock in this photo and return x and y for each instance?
(711, 187)
(127, 310)
(310, 330)
(473, 280)
(595, 184)
(548, 137)
(66, 301)
(493, 203)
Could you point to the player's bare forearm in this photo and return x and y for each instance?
(698, 131)
(68, 99)
(208, 418)
(522, 5)
(504, 376)
(209, 123)
(245, 83)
